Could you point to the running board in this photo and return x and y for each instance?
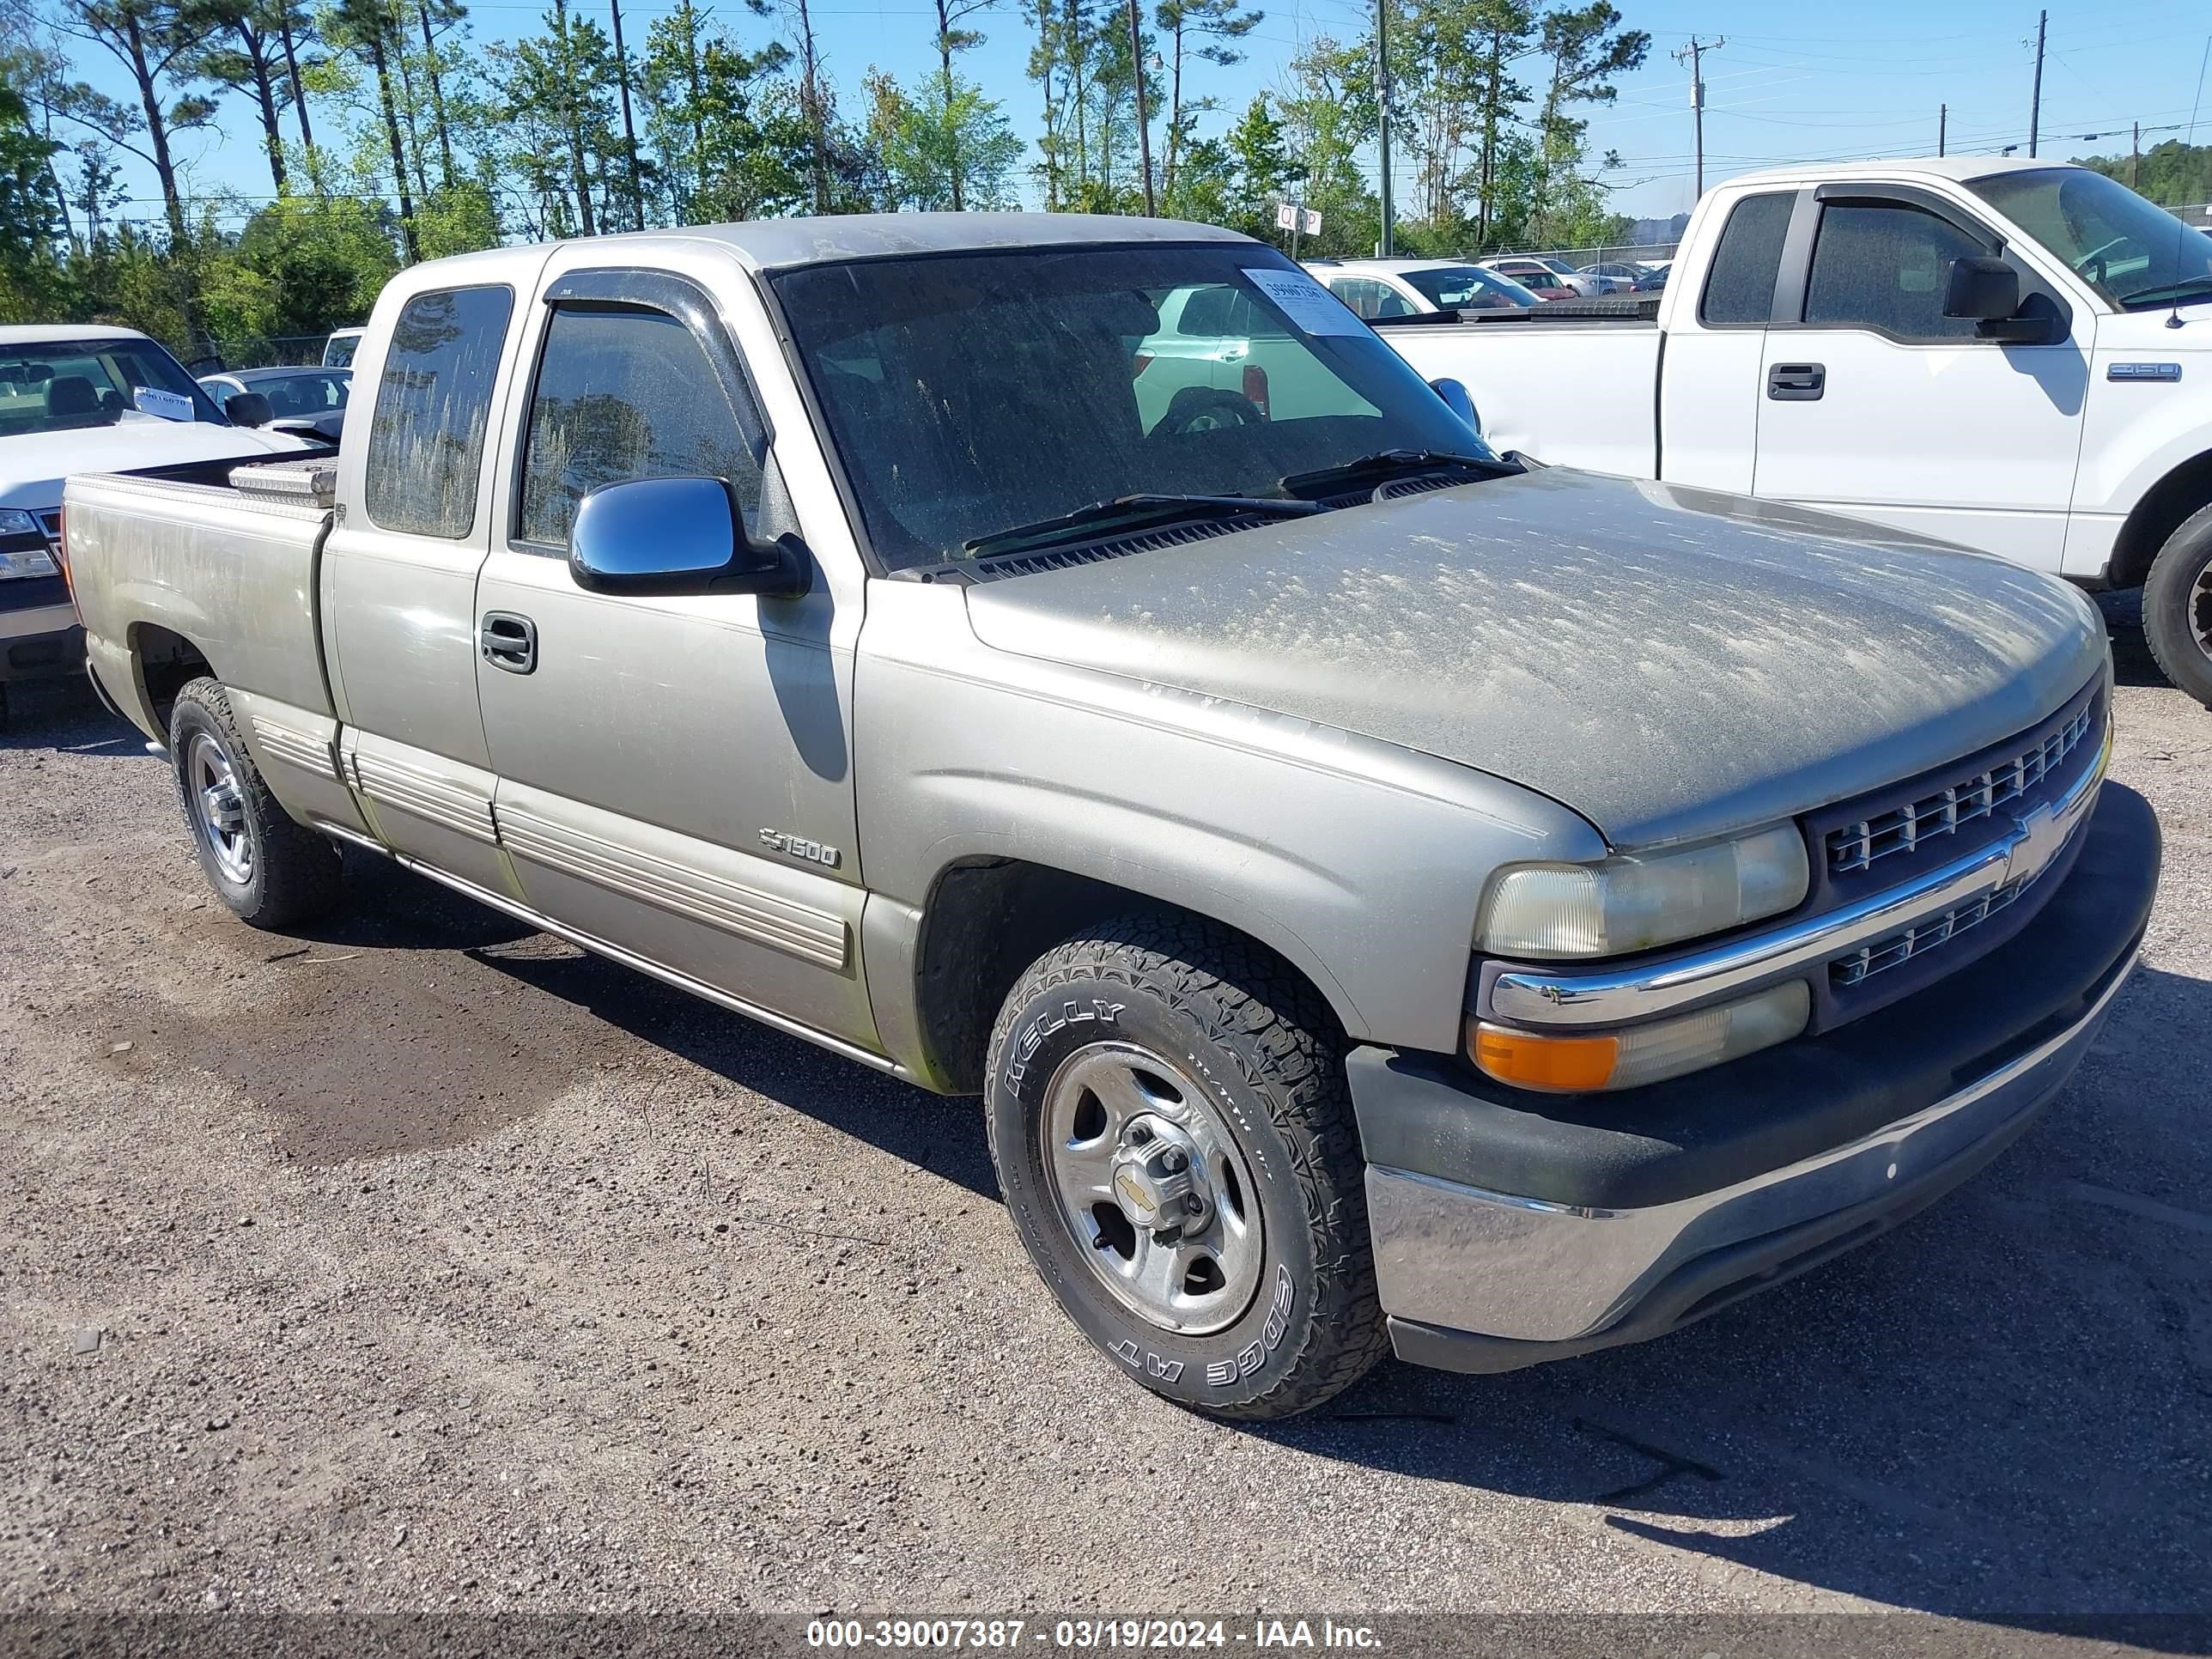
(544, 924)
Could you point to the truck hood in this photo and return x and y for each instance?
(34, 465)
(1671, 663)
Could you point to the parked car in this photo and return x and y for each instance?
(1538, 279)
(1625, 274)
(1584, 285)
(1386, 895)
(1651, 282)
(1406, 287)
(2011, 354)
(338, 350)
(311, 400)
(73, 396)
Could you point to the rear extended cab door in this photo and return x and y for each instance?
(399, 569)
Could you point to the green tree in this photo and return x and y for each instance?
(942, 152)
(1206, 30)
(2171, 174)
(726, 129)
(28, 220)
(245, 54)
(369, 31)
(158, 44)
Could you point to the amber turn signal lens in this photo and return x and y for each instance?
(1572, 1063)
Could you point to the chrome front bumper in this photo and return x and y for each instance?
(1499, 1267)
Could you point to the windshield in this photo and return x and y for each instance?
(338, 350)
(56, 385)
(1558, 267)
(2132, 251)
(971, 393)
(1458, 287)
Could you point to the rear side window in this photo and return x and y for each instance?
(622, 394)
(1739, 287)
(1886, 266)
(433, 404)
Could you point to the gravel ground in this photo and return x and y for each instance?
(422, 1263)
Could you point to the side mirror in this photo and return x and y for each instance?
(1458, 400)
(677, 536)
(1984, 289)
(248, 409)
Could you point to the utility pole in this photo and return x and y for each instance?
(1144, 132)
(2135, 156)
(2035, 103)
(1942, 126)
(630, 131)
(1382, 91)
(1693, 55)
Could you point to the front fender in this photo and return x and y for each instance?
(1359, 862)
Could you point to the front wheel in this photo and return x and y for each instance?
(1175, 1138)
(2177, 607)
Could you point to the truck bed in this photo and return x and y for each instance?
(1586, 369)
(225, 557)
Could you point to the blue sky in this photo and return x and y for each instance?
(1791, 82)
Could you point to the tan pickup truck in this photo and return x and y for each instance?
(1387, 894)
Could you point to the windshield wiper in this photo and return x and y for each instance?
(1384, 462)
(2166, 291)
(1126, 510)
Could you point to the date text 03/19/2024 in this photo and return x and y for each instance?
(1262, 1634)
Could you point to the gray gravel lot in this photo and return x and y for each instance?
(420, 1262)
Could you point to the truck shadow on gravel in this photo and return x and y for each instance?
(2001, 1411)
(2132, 662)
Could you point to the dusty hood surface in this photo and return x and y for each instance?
(1669, 662)
(34, 464)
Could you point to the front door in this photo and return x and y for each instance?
(1874, 403)
(674, 774)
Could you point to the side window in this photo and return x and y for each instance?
(1739, 287)
(625, 393)
(1885, 266)
(433, 404)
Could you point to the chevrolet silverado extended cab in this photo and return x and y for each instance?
(74, 398)
(2009, 355)
(1385, 895)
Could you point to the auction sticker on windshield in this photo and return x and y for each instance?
(169, 405)
(1311, 308)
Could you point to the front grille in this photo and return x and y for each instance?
(1865, 963)
(1944, 811)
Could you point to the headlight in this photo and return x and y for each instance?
(14, 521)
(1641, 1054)
(1640, 901)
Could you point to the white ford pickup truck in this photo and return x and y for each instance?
(2010, 354)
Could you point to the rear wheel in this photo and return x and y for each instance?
(2177, 607)
(270, 869)
(1175, 1138)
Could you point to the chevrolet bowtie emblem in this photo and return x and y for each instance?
(2041, 837)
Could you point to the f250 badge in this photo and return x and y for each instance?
(799, 847)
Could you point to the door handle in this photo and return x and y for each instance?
(508, 642)
(1796, 382)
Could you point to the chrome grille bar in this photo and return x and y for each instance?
(1901, 830)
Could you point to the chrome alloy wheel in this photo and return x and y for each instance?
(1150, 1181)
(218, 807)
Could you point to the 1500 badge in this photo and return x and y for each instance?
(799, 848)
